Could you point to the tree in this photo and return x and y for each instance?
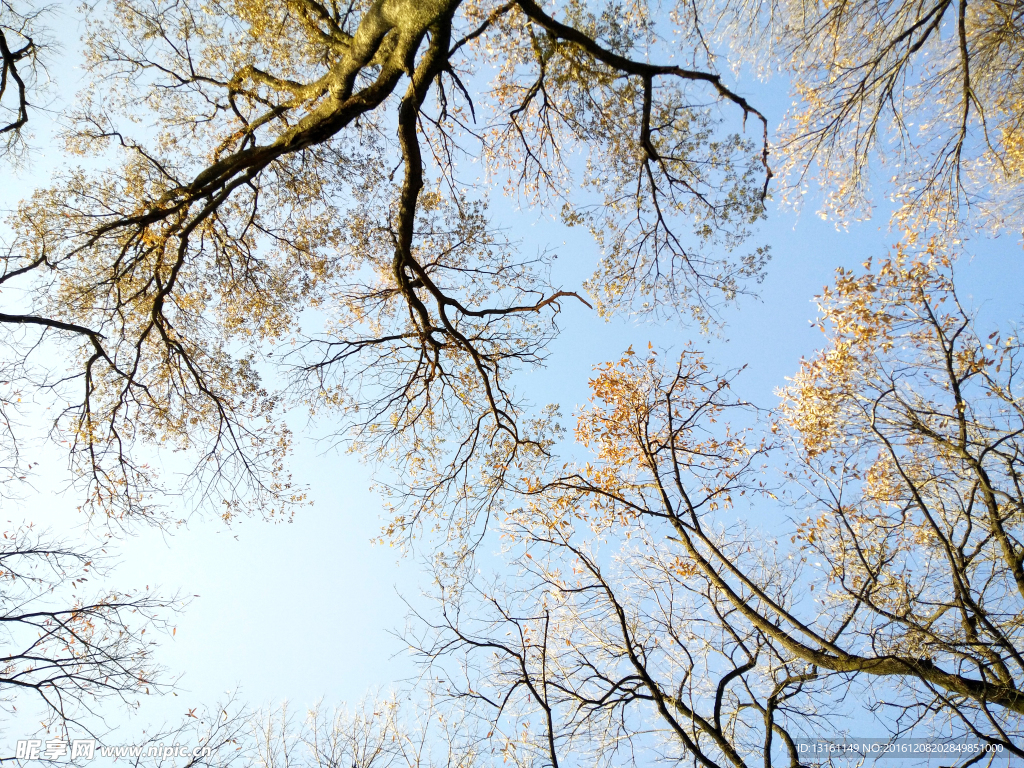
(926, 93)
(21, 41)
(64, 643)
(609, 645)
(66, 648)
(640, 608)
(268, 189)
(381, 731)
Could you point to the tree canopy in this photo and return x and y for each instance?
(268, 187)
(272, 159)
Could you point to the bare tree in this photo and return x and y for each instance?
(22, 39)
(218, 736)
(66, 647)
(382, 731)
(628, 662)
(643, 620)
(605, 646)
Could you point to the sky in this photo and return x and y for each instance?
(309, 608)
